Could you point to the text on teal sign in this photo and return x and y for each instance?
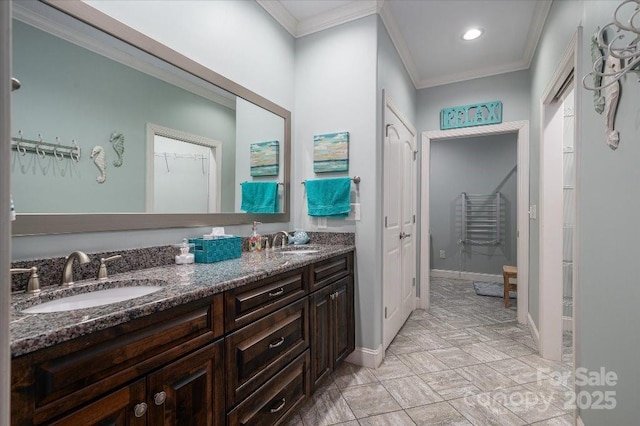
(471, 115)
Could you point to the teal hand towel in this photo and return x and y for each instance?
(260, 197)
(329, 197)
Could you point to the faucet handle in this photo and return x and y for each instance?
(102, 271)
(33, 286)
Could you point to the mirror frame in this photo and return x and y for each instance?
(41, 224)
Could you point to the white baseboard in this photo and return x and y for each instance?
(473, 276)
(567, 323)
(370, 358)
(534, 331)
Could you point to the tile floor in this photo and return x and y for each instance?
(466, 361)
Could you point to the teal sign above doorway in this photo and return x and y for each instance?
(471, 115)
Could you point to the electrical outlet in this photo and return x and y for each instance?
(443, 255)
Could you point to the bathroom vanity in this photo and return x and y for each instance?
(239, 342)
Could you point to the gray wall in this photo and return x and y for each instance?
(335, 87)
(239, 40)
(478, 165)
(511, 88)
(607, 314)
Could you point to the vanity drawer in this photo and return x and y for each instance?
(248, 303)
(256, 352)
(282, 395)
(330, 270)
(72, 373)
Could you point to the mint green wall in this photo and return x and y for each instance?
(608, 292)
(70, 92)
(239, 40)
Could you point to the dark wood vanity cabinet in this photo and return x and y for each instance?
(248, 356)
(331, 317)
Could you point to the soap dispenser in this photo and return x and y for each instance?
(255, 242)
(185, 258)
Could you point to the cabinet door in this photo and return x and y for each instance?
(190, 390)
(124, 407)
(321, 331)
(343, 319)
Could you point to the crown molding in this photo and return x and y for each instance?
(400, 44)
(540, 14)
(472, 75)
(280, 14)
(347, 13)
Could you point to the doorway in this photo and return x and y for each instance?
(399, 233)
(521, 129)
(558, 178)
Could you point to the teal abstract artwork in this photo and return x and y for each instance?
(331, 152)
(265, 158)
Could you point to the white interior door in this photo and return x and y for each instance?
(399, 251)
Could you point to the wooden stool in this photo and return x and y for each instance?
(509, 272)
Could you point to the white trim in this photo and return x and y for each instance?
(471, 74)
(370, 358)
(331, 18)
(400, 44)
(540, 13)
(550, 253)
(463, 275)
(567, 323)
(534, 331)
(347, 13)
(280, 14)
(522, 130)
(124, 54)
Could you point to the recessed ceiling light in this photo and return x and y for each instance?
(472, 34)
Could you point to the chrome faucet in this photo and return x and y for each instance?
(284, 235)
(33, 286)
(67, 269)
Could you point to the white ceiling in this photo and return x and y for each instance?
(427, 33)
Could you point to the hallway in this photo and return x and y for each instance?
(465, 361)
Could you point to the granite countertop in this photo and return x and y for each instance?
(180, 284)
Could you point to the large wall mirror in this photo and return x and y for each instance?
(113, 131)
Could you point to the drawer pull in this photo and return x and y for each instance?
(279, 407)
(159, 398)
(276, 293)
(277, 343)
(140, 409)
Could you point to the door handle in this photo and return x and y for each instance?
(276, 343)
(403, 235)
(15, 84)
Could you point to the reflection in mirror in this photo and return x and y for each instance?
(183, 175)
(199, 135)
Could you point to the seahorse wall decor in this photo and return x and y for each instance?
(98, 155)
(117, 141)
(597, 58)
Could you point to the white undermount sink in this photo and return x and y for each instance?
(300, 251)
(92, 299)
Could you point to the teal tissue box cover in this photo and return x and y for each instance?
(216, 249)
